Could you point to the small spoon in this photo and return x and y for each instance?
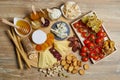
(42, 11)
(43, 20)
(49, 10)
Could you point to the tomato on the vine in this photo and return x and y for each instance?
(83, 54)
(84, 59)
(91, 37)
(84, 49)
(99, 40)
(84, 34)
(97, 50)
(76, 25)
(90, 46)
(91, 54)
(80, 30)
(96, 57)
(101, 55)
(86, 41)
(101, 34)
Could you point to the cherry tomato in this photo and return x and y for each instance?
(90, 46)
(84, 59)
(101, 34)
(99, 40)
(86, 41)
(101, 55)
(97, 50)
(84, 34)
(92, 54)
(83, 54)
(76, 25)
(80, 30)
(91, 37)
(84, 49)
(96, 57)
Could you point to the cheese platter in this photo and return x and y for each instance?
(53, 45)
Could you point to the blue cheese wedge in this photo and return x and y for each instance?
(60, 30)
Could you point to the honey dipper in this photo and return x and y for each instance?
(21, 28)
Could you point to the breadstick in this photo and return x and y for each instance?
(19, 59)
(21, 52)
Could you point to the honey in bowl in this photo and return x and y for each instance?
(23, 27)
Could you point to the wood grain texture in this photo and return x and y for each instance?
(107, 10)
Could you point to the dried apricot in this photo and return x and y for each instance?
(38, 47)
(44, 46)
(50, 41)
(50, 36)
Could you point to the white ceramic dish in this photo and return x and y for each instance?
(55, 14)
(62, 7)
(15, 21)
(39, 37)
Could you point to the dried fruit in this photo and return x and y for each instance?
(74, 43)
(48, 42)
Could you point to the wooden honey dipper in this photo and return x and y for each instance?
(22, 29)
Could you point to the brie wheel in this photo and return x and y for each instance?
(39, 37)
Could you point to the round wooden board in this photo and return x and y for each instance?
(34, 62)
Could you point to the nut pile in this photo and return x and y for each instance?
(56, 69)
(72, 65)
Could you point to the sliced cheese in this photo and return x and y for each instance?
(46, 59)
(62, 47)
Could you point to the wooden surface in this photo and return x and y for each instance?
(107, 10)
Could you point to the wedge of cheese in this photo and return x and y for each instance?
(62, 47)
(46, 59)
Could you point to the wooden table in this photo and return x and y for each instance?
(107, 10)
